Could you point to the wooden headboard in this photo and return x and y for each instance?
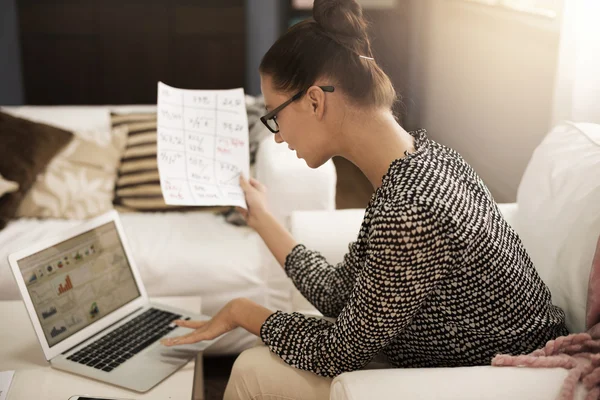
(115, 51)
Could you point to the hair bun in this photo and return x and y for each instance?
(340, 17)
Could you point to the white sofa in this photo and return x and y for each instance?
(557, 216)
(192, 253)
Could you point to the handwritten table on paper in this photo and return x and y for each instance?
(202, 143)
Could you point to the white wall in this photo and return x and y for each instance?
(486, 82)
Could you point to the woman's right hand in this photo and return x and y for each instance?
(256, 199)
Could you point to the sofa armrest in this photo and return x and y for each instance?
(330, 233)
(466, 383)
(291, 184)
(510, 213)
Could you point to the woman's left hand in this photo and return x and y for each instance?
(221, 323)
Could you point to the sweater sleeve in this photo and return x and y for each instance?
(327, 287)
(408, 255)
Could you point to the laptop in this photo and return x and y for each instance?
(90, 310)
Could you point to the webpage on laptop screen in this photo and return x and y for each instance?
(78, 281)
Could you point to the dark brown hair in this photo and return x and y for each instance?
(329, 46)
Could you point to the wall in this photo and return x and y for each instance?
(114, 52)
(11, 87)
(485, 80)
(265, 20)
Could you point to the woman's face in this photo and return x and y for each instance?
(301, 124)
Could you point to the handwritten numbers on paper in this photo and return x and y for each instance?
(200, 99)
(227, 174)
(170, 139)
(170, 116)
(226, 102)
(199, 144)
(199, 121)
(201, 169)
(205, 192)
(175, 191)
(231, 127)
(202, 140)
(230, 149)
(165, 92)
(171, 157)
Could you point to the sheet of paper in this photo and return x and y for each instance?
(5, 380)
(203, 146)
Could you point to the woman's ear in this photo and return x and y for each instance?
(316, 98)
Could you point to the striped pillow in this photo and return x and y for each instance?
(138, 183)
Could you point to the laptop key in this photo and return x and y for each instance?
(107, 369)
(145, 344)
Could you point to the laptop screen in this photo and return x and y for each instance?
(78, 281)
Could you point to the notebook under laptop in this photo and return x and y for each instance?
(90, 310)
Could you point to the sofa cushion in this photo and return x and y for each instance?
(464, 383)
(27, 148)
(79, 181)
(559, 214)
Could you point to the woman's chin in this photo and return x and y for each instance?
(311, 163)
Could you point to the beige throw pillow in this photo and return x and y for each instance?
(79, 182)
(7, 186)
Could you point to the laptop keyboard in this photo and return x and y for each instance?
(120, 345)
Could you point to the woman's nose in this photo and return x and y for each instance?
(278, 138)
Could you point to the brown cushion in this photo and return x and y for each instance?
(27, 148)
(138, 183)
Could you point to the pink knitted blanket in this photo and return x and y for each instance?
(579, 353)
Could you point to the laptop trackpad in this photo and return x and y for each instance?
(182, 352)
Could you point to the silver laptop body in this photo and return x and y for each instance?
(90, 310)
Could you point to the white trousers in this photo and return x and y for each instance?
(258, 374)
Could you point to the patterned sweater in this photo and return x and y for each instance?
(436, 278)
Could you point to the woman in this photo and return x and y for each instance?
(436, 276)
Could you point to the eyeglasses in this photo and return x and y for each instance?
(270, 119)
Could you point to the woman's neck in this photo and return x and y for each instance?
(372, 141)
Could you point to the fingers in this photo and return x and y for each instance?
(190, 324)
(256, 184)
(252, 183)
(244, 182)
(190, 338)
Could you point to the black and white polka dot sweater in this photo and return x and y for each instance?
(436, 278)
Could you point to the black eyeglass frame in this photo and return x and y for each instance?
(273, 114)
